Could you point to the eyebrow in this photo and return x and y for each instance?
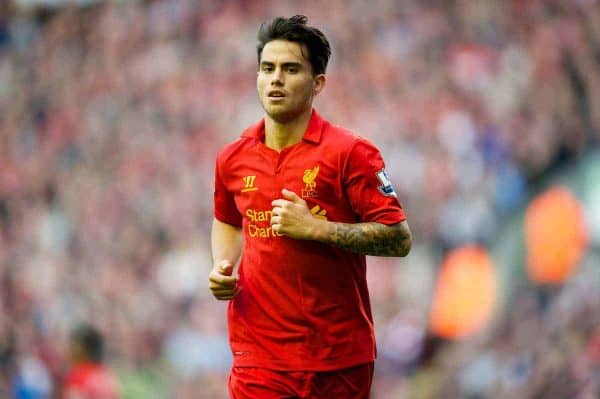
(285, 64)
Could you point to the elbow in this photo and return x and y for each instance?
(404, 239)
(404, 246)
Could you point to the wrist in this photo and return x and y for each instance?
(220, 262)
(321, 230)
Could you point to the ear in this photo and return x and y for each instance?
(320, 81)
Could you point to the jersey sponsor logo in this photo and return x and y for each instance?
(259, 221)
(259, 224)
(249, 184)
(310, 186)
(386, 187)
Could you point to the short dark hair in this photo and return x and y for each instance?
(295, 29)
(90, 340)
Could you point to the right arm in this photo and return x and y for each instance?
(226, 244)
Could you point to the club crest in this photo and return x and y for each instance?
(310, 186)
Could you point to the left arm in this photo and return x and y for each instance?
(370, 238)
(292, 218)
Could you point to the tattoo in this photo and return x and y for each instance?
(371, 238)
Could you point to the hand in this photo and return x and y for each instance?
(221, 282)
(291, 217)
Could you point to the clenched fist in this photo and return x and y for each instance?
(221, 282)
(291, 217)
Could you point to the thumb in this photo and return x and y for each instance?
(225, 267)
(290, 195)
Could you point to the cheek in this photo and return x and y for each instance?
(260, 89)
(260, 83)
(303, 89)
(307, 92)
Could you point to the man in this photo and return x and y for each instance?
(88, 377)
(302, 202)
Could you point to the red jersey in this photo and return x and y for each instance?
(303, 305)
(90, 381)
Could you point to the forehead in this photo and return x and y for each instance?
(279, 51)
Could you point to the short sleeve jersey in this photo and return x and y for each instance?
(303, 305)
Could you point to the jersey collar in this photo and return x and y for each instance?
(312, 134)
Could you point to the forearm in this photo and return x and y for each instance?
(226, 242)
(366, 238)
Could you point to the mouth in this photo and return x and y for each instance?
(276, 95)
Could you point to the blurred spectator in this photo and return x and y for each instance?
(88, 378)
(32, 380)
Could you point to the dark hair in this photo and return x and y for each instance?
(91, 342)
(295, 29)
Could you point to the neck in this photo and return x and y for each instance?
(279, 135)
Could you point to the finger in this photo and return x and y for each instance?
(223, 280)
(222, 286)
(276, 211)
(223, 292)
(218, 277)
(225, 297)
(226, 268)
(223, 267)
(275, 220)
(292, 196)
(280, 203)
(227, 294)
(214, 287)
(232, 292)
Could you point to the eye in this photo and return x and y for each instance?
(267, 68)
(292, 69)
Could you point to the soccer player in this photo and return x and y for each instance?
(88, 378)
(301, 201)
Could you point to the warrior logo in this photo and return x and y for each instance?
(249, 184)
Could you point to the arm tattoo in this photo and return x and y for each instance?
(371, 238)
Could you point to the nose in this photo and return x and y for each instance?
(277, 77)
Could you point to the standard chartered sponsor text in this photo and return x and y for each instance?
(259, 224)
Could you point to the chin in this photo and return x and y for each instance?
(280, 115)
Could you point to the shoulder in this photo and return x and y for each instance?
(233, 149)
(249, 138)
(338, 136)
(345, 140)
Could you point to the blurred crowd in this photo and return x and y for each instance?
(110, 119)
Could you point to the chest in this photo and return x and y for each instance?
(258, 175)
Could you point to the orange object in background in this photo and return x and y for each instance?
(465, 295)
(556, 236)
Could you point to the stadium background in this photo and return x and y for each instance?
(111, 114)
